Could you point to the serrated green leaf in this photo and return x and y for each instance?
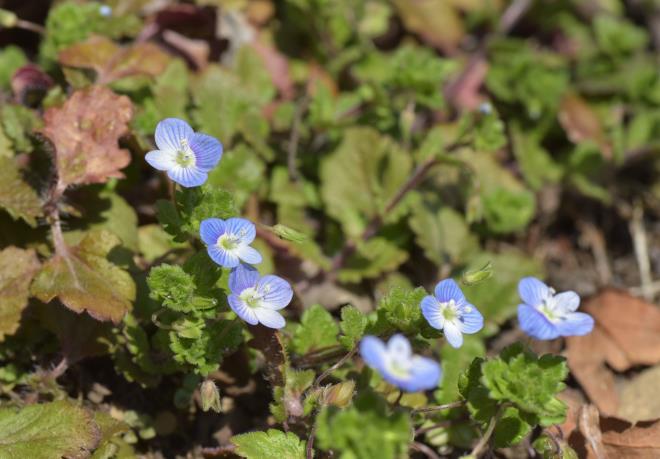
(317, 330)
(18, 122)
(376, 256)
(399, 311)
(16, 196)
(353, 323)
(535, 162)
(529, 382)
(11, 59)
(361, 176)
(47, 431)
(454, 363)
(17, 268)
(84, 280)
(506, 211)
(269, 444)
(365, 430)
(512, 426)
(198, 204)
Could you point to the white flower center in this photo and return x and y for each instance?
(228, 241)
(252, 297)
(549, 309)
(184, 155)
(449, 310)
(397, 366)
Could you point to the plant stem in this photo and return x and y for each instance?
(483, 441)
(432, 409)
(310, 442)
(338, 364)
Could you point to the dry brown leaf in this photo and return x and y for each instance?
(589, 424)
(85, 132)
(574, 400)
(633, 324)
(627, 441)
(586, 359)
(438, 23)
(112, 62)
(581, 123)
(639, 396)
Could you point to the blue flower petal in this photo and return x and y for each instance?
(161, 159)
(170, 132)
(279, 293)
(373, 352)
(244, 228)
(425, 374)
(532, 291)
(207, 150)
(447, 290)
(576, 324)
(270, 318)
(453, 334)
(242, 310)
(567, 302)
(187, 176)
(242, 277)
(535, 324)
(211, 229)
(248, 254)
(399, 347)
(472, 321)
(222, 257)
(431, 312)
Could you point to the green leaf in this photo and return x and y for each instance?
(18, 198)
(19, 122)
(399, 311)
(531, 383)
(197, 204)
(287, 399)
(376, 256)
(616, 36)
(47, 431)
(317, 330)
(240, 171)
(270, 444)
(83, 279)
(535, 162)
(11, 59)
(507, 211)
(497, 298)
(361, 176)
(365, 430)
(489, 131)
(443, 234)
(512, 426)
(481, 407)
(17, 268)
(172, 286)
(353, 323)
(154, 242)
(454, 362)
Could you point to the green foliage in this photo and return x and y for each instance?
(365, 430)
(352, 325)
(317, 330)
(17, 197)
(11, 59)
(272, 443)
(47, 430)
(18, 122)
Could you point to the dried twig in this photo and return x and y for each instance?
(640, 244)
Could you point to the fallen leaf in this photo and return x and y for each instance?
(581, 123)
(586, 360)
(639, 400)
(437, 22)
(624, 440)
(112, 62)
(17, 197)
(17, 268)
(574, 400)
(277, 65)
(589, 424)
(84, 279)
(85, 131)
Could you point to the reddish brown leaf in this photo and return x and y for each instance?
(581, 123)
(85, 131)
(278, 67)
(624, 440)
(29, 84)
(633, 324)
(112, 62)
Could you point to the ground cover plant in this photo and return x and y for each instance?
(329, 228)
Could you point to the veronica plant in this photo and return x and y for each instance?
(257, 299)
(227, 242)
(545, 314)
(396, 363)
(187, 156)
(448, 310)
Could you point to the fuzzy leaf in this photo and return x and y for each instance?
(17, 268)
(16, 196)
(376, 256)
(112, 62)
(84, 279)
(361, 176)
(85, 131)
(47, 431)
(353, 324)
(269, 444)
(317, 330)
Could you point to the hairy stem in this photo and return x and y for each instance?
(485, 439)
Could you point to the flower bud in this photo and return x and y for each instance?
(476, 276)
(339, 395)
(288, 234)
(7, 18)
(210, 396)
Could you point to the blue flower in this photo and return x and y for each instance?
(546, 315)
(105, 11)
(257, 299)
(185, 155)
(398, 366)
(450, 312)
(227, 241)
